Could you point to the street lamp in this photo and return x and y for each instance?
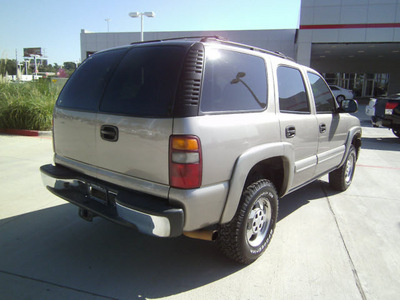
(35, 56)
(136, 14)
(108, 25)
(26, 65)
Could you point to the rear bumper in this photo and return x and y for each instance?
(388, 121)
(149, 214)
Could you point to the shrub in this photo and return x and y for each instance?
(27, 105)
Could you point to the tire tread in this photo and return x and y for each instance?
(337, 177)
(229, 234)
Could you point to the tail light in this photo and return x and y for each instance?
(389, 107)
(185, 162)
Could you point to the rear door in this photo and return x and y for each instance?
(298, 124)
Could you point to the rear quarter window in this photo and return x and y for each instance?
(233, 81)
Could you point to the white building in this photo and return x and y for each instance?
(275, 40)
(353, 43)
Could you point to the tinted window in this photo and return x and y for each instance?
(324, 101)
(233, 82)
(85, 87)
(292, 93)
(145, 82)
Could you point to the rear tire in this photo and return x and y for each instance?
(247, 235)
(341, 178)
(396, 132)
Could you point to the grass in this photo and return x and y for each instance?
(27, 105)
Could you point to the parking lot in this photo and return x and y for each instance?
(327, 245)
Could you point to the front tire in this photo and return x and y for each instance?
(340, 98)
(247, 235)
(341, 178)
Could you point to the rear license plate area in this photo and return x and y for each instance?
(101, 194)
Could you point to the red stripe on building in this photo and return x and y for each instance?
(351, 26)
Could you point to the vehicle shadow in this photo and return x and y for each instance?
(386, 144)
(54, 246)
(104, 259)
(294, 201)
(366, 123)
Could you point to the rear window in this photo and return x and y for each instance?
(86, 86)
(139, 82)
(233, 81)
(145, 82)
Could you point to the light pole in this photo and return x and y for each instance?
(108, 25)
(136, 14)
(26, 65)
(35, 56)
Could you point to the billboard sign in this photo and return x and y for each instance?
(32, 51)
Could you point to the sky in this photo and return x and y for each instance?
(55, 25)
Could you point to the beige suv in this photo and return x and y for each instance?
(197, 137)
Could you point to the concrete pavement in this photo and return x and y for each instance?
(327, 245)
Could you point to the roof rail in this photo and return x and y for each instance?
(217, 38)
(275, 53)
(202, 38)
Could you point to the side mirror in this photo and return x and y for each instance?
(348, 106)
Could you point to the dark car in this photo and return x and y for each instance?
(385, 111)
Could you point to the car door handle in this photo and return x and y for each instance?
(290, 131)
(109, 133)
(322, 128)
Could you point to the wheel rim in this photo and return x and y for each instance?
(348, 175)
(258, 222)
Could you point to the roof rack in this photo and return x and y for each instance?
(222, 40)
(276, 53)
(202, 38)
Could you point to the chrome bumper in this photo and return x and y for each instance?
(150, 215)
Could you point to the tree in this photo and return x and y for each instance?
(8, 66)
(46, 68)
(70, 66)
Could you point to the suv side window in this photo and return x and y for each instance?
(233, 81)
(324, 102)
(85, 87)
(292, 92)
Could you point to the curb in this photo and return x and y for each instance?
(25, 132)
